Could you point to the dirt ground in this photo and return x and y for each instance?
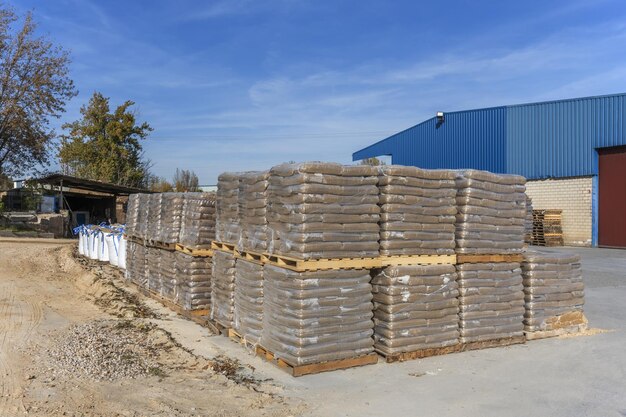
(73, 343)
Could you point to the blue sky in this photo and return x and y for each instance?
(243, 85)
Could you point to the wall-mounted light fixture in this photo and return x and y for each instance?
(440, 117)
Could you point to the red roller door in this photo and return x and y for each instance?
(612, 197)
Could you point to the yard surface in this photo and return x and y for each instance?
(49, 302)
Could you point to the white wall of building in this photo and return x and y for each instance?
(573, 196)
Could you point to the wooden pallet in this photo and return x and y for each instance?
(301, 265)
(513, 257)
(487, 344)
(193, 251)
(419, 354)
(405, 260)
(224, 247)
(239, 339)
(217, 327)
(160, 245)
(544, 334)
(316, 368)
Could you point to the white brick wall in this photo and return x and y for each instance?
(573, 196)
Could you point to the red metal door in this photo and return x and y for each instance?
(612, 197)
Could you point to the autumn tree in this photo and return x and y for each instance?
(34, 88)
(186, 181)
(159, 184)
(105, 145)
(372, 161)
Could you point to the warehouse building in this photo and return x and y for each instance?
(572, 151)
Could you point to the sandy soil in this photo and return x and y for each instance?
(45, 293)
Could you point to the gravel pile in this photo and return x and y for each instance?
(105, 350)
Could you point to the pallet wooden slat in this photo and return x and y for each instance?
(315, 368)
(517, 257)
(193, 251)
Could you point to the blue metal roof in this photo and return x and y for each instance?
(537, 140)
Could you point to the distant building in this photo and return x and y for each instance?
(572, 151)
(86, 201)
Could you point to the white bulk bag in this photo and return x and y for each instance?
(103, 250)
(93, 244)
(81, 241)
(122, 252)
(110, 240)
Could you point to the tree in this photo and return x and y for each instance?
(159, 184)
(106, 146)
(34, 87)
(372, 161)
(5, 182)
(186, 181)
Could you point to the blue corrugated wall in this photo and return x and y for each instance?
(539, 140)
(467, 139)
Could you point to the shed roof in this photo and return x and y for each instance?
(89, 185)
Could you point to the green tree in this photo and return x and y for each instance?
(105, 145)
(186, 181)
(34, 87)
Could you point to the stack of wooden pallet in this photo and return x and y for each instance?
(547, 229)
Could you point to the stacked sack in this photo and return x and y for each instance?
(193, 276)
(415, 307)
(153, 269)
(418, 211)
(153, 225)
(323, 210)
(491, 213)
(554, 291)
(248, 299)
(168, 275)
(136, 264)
(317, 316)
(143, 215)
(170, 217)
(197, 228)
(491, 301)
(529, 223)
(223, 288)
(228, 229)
(132, 214)
(253, 211)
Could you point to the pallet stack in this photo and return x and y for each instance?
(554, 292)
(489, 240)
(547, 229)
(416, 306)
(157, 263)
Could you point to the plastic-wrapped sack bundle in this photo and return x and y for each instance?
(253, 211)
(415, 307)
(136, 268)
(491, 212)
(317, 316)
(132, 213)
(167, 273)
(248, 313)
(228, 229)
(143, 215)
(153, 269)
(223, 288)
(153, 225)
(554, 292)
(418, 209)
(197, 228)
(194, 282)
(528, 223)
(323, 210)
(491, 301)
(171, 216)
